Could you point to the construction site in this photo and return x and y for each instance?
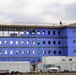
(27, 49)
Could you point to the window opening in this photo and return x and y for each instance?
(53, 32)
(59, 42)
(0, 42)
(70, 59)
(28, 42)
(49, 52)
(32, 31)
(28, 52)
(38, 41)
(59, 52)
(38, 32)
(11, 52)
(54, 52)
(74, 41)
(48, 32)
(74, 51)
(44, 52)
(17, 52)
(5, 51)
(23, 52)
(43, 42)
(54, 42)
(0, 52)
(48, 42)
(43, 32)
(27, 32)
(11, 42)
(58, 32)
(33, 52)
(22, 42)
(5, 42)
(33, 42)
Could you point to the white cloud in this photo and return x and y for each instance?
(66, 1)
(36, 10)
(4, 19)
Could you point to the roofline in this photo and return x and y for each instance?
(42, 25)
(31, 26)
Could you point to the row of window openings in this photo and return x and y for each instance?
(54, 52)
(33, 42)
(17, 52)
(28, 52)
(27, 32)
(54, 42)
(38, 32)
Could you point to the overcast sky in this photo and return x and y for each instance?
(41, 11)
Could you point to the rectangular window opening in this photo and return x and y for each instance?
(43, 42)
(43, 32)
(23, 52)
(49, 52)
(27, 32)
(28, 42)
(54, 52)
(38, 32)
(0, 52)
(48, 32)
(33, 42)
(58, 32)
(48, 42)
(59, 42)
(28, 52)
(38, 41)
(22, 42)
(0, 42)
(70, 59)
(53, 32)
(11, 42)
(32, 31)
(16, 42)
(5, 42)
(74, 31)
(54, 42)
(59, 52)
(44, 52)
(33, 52)
(74, 41)
(17, 52)
(11, 52)
(74, 51)
(5, 51)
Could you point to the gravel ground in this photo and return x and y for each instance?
(42, 74)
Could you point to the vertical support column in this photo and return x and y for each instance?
(37, 46)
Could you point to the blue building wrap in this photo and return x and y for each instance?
(23, 43)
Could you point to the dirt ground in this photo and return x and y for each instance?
(51, 74)
(56, 74)
(42, 74)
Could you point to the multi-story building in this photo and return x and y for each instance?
(31, 42)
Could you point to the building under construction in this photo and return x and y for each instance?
(29, 42)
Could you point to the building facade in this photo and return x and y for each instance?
(30, 43)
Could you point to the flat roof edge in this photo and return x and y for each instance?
(38, 26)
